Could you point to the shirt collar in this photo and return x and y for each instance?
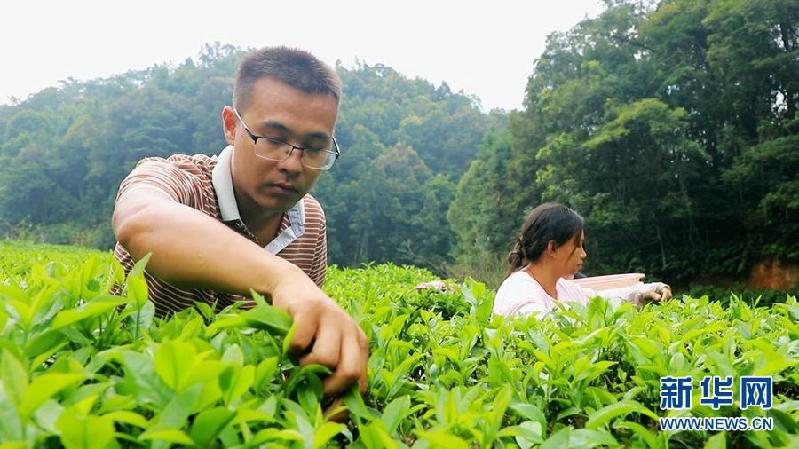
(223, 184)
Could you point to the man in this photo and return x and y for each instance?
(219, 226)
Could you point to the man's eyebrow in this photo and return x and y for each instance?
(277, 126)
(274, 125)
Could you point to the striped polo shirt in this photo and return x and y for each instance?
(205, 183)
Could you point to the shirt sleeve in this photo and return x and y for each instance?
(570, 291)
(319, 263)
(158, 174)
(634, 293)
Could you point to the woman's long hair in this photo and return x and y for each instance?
(547, 222)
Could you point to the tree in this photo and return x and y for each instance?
(666, 125)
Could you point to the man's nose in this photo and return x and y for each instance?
(293, 163)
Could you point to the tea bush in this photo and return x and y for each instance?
(81, 368)
(17, 257)
(752, 296)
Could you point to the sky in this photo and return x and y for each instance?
(485, 49)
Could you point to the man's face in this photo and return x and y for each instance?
(281, 112)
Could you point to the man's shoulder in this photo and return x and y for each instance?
(196, 164)
(313, 209)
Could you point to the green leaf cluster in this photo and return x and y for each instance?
(84, 365)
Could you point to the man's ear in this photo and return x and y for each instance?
(229, 123)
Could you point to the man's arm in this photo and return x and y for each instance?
(319, 262)
(191, 248)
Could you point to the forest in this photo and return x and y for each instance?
(671, 127)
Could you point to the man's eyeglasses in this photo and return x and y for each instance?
(278, 150)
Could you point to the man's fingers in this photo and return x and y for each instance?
(306, 330)
(340, 416)
(363, 343)
(349, 368)
(327, 336)
(325, 350)
(653, 293)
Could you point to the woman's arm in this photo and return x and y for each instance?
(657, 291)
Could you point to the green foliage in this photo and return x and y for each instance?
(670, 126)
(752, 296)
(405, 143)
(400, 217)
(17, 257)
(484, 211)
(82, 368)
(64, 151)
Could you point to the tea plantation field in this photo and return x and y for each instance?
(81, 368)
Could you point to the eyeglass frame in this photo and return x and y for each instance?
(255, 138)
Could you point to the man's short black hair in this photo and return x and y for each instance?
(296, 68)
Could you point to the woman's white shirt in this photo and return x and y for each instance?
(520, 293)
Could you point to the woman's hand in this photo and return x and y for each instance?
(657, 291)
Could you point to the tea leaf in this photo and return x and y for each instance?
(717, 441)
(14, 377)
(173, 362)
(442, 439)
(89, 432)
(43, 388)
(621, 408)
(325, 432)
(174, 436)
(209, 423)
(394, 412)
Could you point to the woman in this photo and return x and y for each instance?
(548, 251)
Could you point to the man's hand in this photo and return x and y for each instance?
(147, 220)
(325, 333)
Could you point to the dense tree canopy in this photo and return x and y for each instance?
(405, 143)
(671, 126)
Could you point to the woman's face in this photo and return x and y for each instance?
(569, 256)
